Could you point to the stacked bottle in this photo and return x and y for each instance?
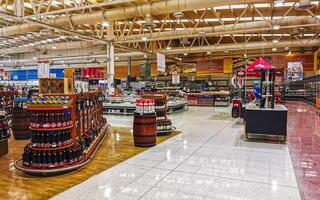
(51, 159)
(49, 100)
(4, 128)
(50, 119)
(145, 106)
(51, 139)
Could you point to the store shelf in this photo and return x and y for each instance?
(47, 107)
(50, 148)
(51, 129)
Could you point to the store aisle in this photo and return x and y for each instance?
(209, 160)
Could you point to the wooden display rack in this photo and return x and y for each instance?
(162, 99)
(85, 114)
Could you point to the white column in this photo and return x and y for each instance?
(19, 8)
(110, 59)
(110, 67)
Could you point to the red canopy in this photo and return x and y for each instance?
(260, 63)
(253, 69)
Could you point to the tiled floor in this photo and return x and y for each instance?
(209, 160)
(304, 145)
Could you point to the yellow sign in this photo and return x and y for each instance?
(227, 66)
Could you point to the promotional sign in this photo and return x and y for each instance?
(43, 70)
(175, 78)
(161, 62)
(295, 71)
(209, 67)
(93, 72)
(307, 61)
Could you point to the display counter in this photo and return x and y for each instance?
(127, 108)
(266, 121)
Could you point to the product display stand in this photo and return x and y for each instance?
(20, 120)
(164, 125)
(66, 132)
(145, 123)
(4, 135)
(7, 102)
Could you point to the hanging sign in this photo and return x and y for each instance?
(175, 78)
(295, 71)
(43, 70)
(161, 62)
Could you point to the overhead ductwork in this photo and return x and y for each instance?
(156, 8)
(242, 46)
(305, 5)
(149, 24)
(256, 26)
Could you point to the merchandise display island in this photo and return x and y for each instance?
(127, 108)
(66, 132)
(266, 121)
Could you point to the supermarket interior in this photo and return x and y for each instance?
(159, 99)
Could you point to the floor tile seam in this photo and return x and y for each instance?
(235, 179)
(185, 158)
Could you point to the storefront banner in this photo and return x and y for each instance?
(161, 62)
(295, 71)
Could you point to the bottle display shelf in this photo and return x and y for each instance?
(67, 167)
(51, 129)
(54, 149)
(49, 148)
(47, 107)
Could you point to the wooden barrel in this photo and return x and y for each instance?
(20, 124)
(144, 130)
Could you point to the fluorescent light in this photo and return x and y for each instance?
(34, 58)
(145, 56)
(144, 38)
(289, 53)
(178, 58)
(274, 49)
(276, 27)
(105, 24)
(275, 41)
(168, 48)
(226, 51)
(62, 37)
(117, 58)
(185, 54)
(279, 3)
(245, 55)
(54, 47)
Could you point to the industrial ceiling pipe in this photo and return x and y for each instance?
(256, 26)
(156, 8)
(243, 46)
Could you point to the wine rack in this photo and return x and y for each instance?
(164, 125)
(66, 131)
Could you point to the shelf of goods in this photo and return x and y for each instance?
(66, 132)
(20, 120)
(164, 125)
(7, 102)
(218, 98)
(128, 108)
(4, 135)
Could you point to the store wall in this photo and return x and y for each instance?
(122, 71)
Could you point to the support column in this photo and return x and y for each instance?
(19, 8)
(110, 67)
(110, 59)
(129, 72)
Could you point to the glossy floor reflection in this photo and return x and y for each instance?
(304, 145)
(209, 160)
(117, 147)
